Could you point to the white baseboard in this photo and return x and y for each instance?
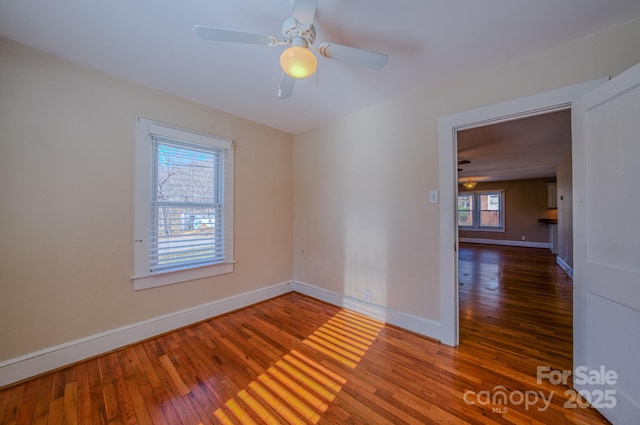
(419, 325)
(48, 359)
(32, 364)
(505, 243)
(564, 266)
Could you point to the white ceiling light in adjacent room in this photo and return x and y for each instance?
(469, 184)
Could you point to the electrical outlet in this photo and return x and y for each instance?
(367, 295)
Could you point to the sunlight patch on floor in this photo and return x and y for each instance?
(298, 389)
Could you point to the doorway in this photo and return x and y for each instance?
(449, 127)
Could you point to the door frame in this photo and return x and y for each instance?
(537, 104)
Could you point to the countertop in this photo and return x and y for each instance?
(548, 221)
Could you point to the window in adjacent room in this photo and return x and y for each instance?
(183, 205)
(465, 210)
(481, 210)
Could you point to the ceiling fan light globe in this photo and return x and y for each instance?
(298, 62)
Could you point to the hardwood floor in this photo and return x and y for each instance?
(517, 301)
(297, 360)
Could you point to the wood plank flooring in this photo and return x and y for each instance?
(297, 360)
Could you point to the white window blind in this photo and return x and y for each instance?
(187, 226)
(183, 221)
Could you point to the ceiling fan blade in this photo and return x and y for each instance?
(230, 36)
(304, 11)
(286, 86)
(353, 56)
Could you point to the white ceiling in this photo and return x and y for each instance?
(525, 148)
(428, 41)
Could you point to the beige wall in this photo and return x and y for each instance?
(565, 210)
(525, 203)
(362, 219)
(66, 202)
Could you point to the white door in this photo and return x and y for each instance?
(606, 169)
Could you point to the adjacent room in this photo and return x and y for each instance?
(197, 228)
(509, 211)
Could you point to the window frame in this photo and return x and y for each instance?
(143, 277)
(476, 211)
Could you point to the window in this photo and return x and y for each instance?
(481, 210)
(465, 210)
(183, 205)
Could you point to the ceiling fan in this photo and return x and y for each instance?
(463, 162)
(298, 33)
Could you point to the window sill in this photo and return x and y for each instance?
(168, 278)
(480, 229)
